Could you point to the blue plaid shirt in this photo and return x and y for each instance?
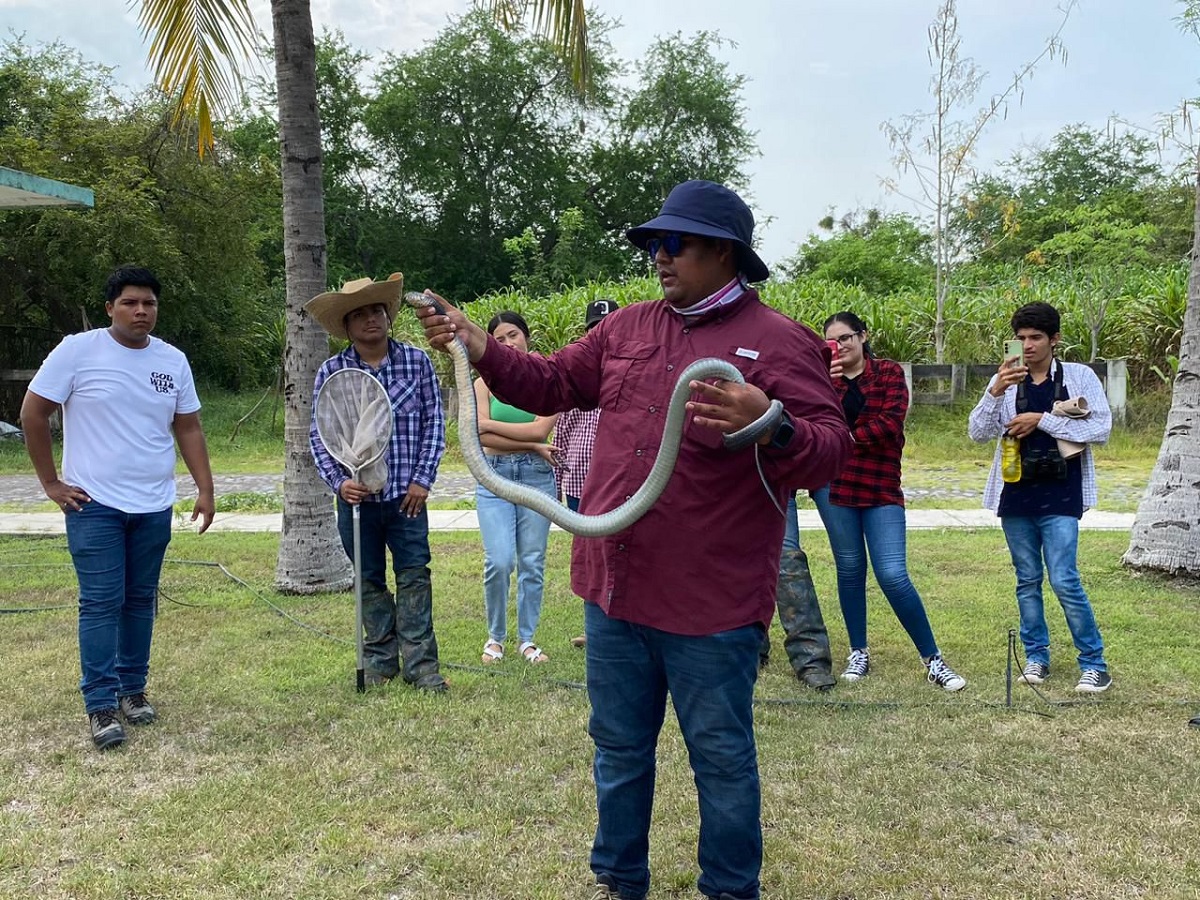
(419, 427)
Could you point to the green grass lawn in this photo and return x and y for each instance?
(268, 777)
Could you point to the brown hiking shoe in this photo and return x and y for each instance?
(605, 889)
(106, 729)
(137, 709)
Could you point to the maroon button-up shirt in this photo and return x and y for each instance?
(705, 558)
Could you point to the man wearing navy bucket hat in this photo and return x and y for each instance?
(678, 602)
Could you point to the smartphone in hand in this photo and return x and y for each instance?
(1014, 348)
(834, 347)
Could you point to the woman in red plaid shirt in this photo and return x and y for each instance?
(863, 508)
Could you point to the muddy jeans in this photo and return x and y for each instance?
(805, 638)
(398, 633)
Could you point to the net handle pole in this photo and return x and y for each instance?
(360, 682)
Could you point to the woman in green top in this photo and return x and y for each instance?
(516, 444)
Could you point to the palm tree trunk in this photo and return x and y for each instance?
(310, 557)
(1166, 530)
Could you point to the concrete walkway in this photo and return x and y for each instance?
(465, 520)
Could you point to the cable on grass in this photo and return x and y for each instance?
(1015, 656)
(163, 595)
(279, 610)
(14, 610)
(497, 673)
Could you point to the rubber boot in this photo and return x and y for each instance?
(805, 638)
(414, 628)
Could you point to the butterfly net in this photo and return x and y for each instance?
(354, 422)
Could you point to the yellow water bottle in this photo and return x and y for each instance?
(1010, 458)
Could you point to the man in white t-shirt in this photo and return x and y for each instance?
(126, 398)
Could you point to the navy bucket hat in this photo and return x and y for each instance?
(709, 210)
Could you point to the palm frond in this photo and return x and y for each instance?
(195, 46)
(562, 22)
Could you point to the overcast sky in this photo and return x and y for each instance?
(823, 74)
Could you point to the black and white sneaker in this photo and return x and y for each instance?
(943, 676)
(1093, 682)
(1035, 673)
(107, 730)
(858, 664)
(137, 709)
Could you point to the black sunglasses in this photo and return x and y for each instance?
(672, 242)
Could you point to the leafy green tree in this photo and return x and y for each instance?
(882, 254)
(1090, 197)
(476, 136)
(156, 204)
(685, 118)
(502, 181)
(571, 260)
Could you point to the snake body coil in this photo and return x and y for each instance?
(637, 505)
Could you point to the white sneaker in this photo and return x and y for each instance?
(1035, 673)
(942, 675)
(1093, 682)
(858, 664)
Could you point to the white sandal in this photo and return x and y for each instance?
(493, 652)
(533, 653)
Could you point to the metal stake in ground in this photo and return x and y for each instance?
(1012, 653)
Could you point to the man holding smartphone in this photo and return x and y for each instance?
(1040, 512)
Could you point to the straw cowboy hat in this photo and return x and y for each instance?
(331, 308)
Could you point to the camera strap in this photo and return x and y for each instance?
(1060, 390)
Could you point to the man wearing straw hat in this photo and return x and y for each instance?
(398, 636)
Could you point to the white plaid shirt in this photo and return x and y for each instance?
(991, 414)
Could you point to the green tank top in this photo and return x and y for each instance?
(502, 412)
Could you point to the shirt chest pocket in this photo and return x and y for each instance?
(406, 401)
(711, 437)
(627, 364)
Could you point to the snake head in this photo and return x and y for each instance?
(416, 300)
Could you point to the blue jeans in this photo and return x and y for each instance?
(118, 558)
(514, 537)
(791, 526)
(630, 670)
(880, 531)
(1055, 539)
(397, 631)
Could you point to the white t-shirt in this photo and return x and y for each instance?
(118, 408)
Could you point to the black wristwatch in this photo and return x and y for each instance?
(784, 432)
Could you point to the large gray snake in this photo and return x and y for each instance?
(639, 503)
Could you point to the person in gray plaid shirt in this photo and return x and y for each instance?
(575, 435)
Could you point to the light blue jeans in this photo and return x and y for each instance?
(881, 531)
(514, 537)
(791, 526)
(1056, 540)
